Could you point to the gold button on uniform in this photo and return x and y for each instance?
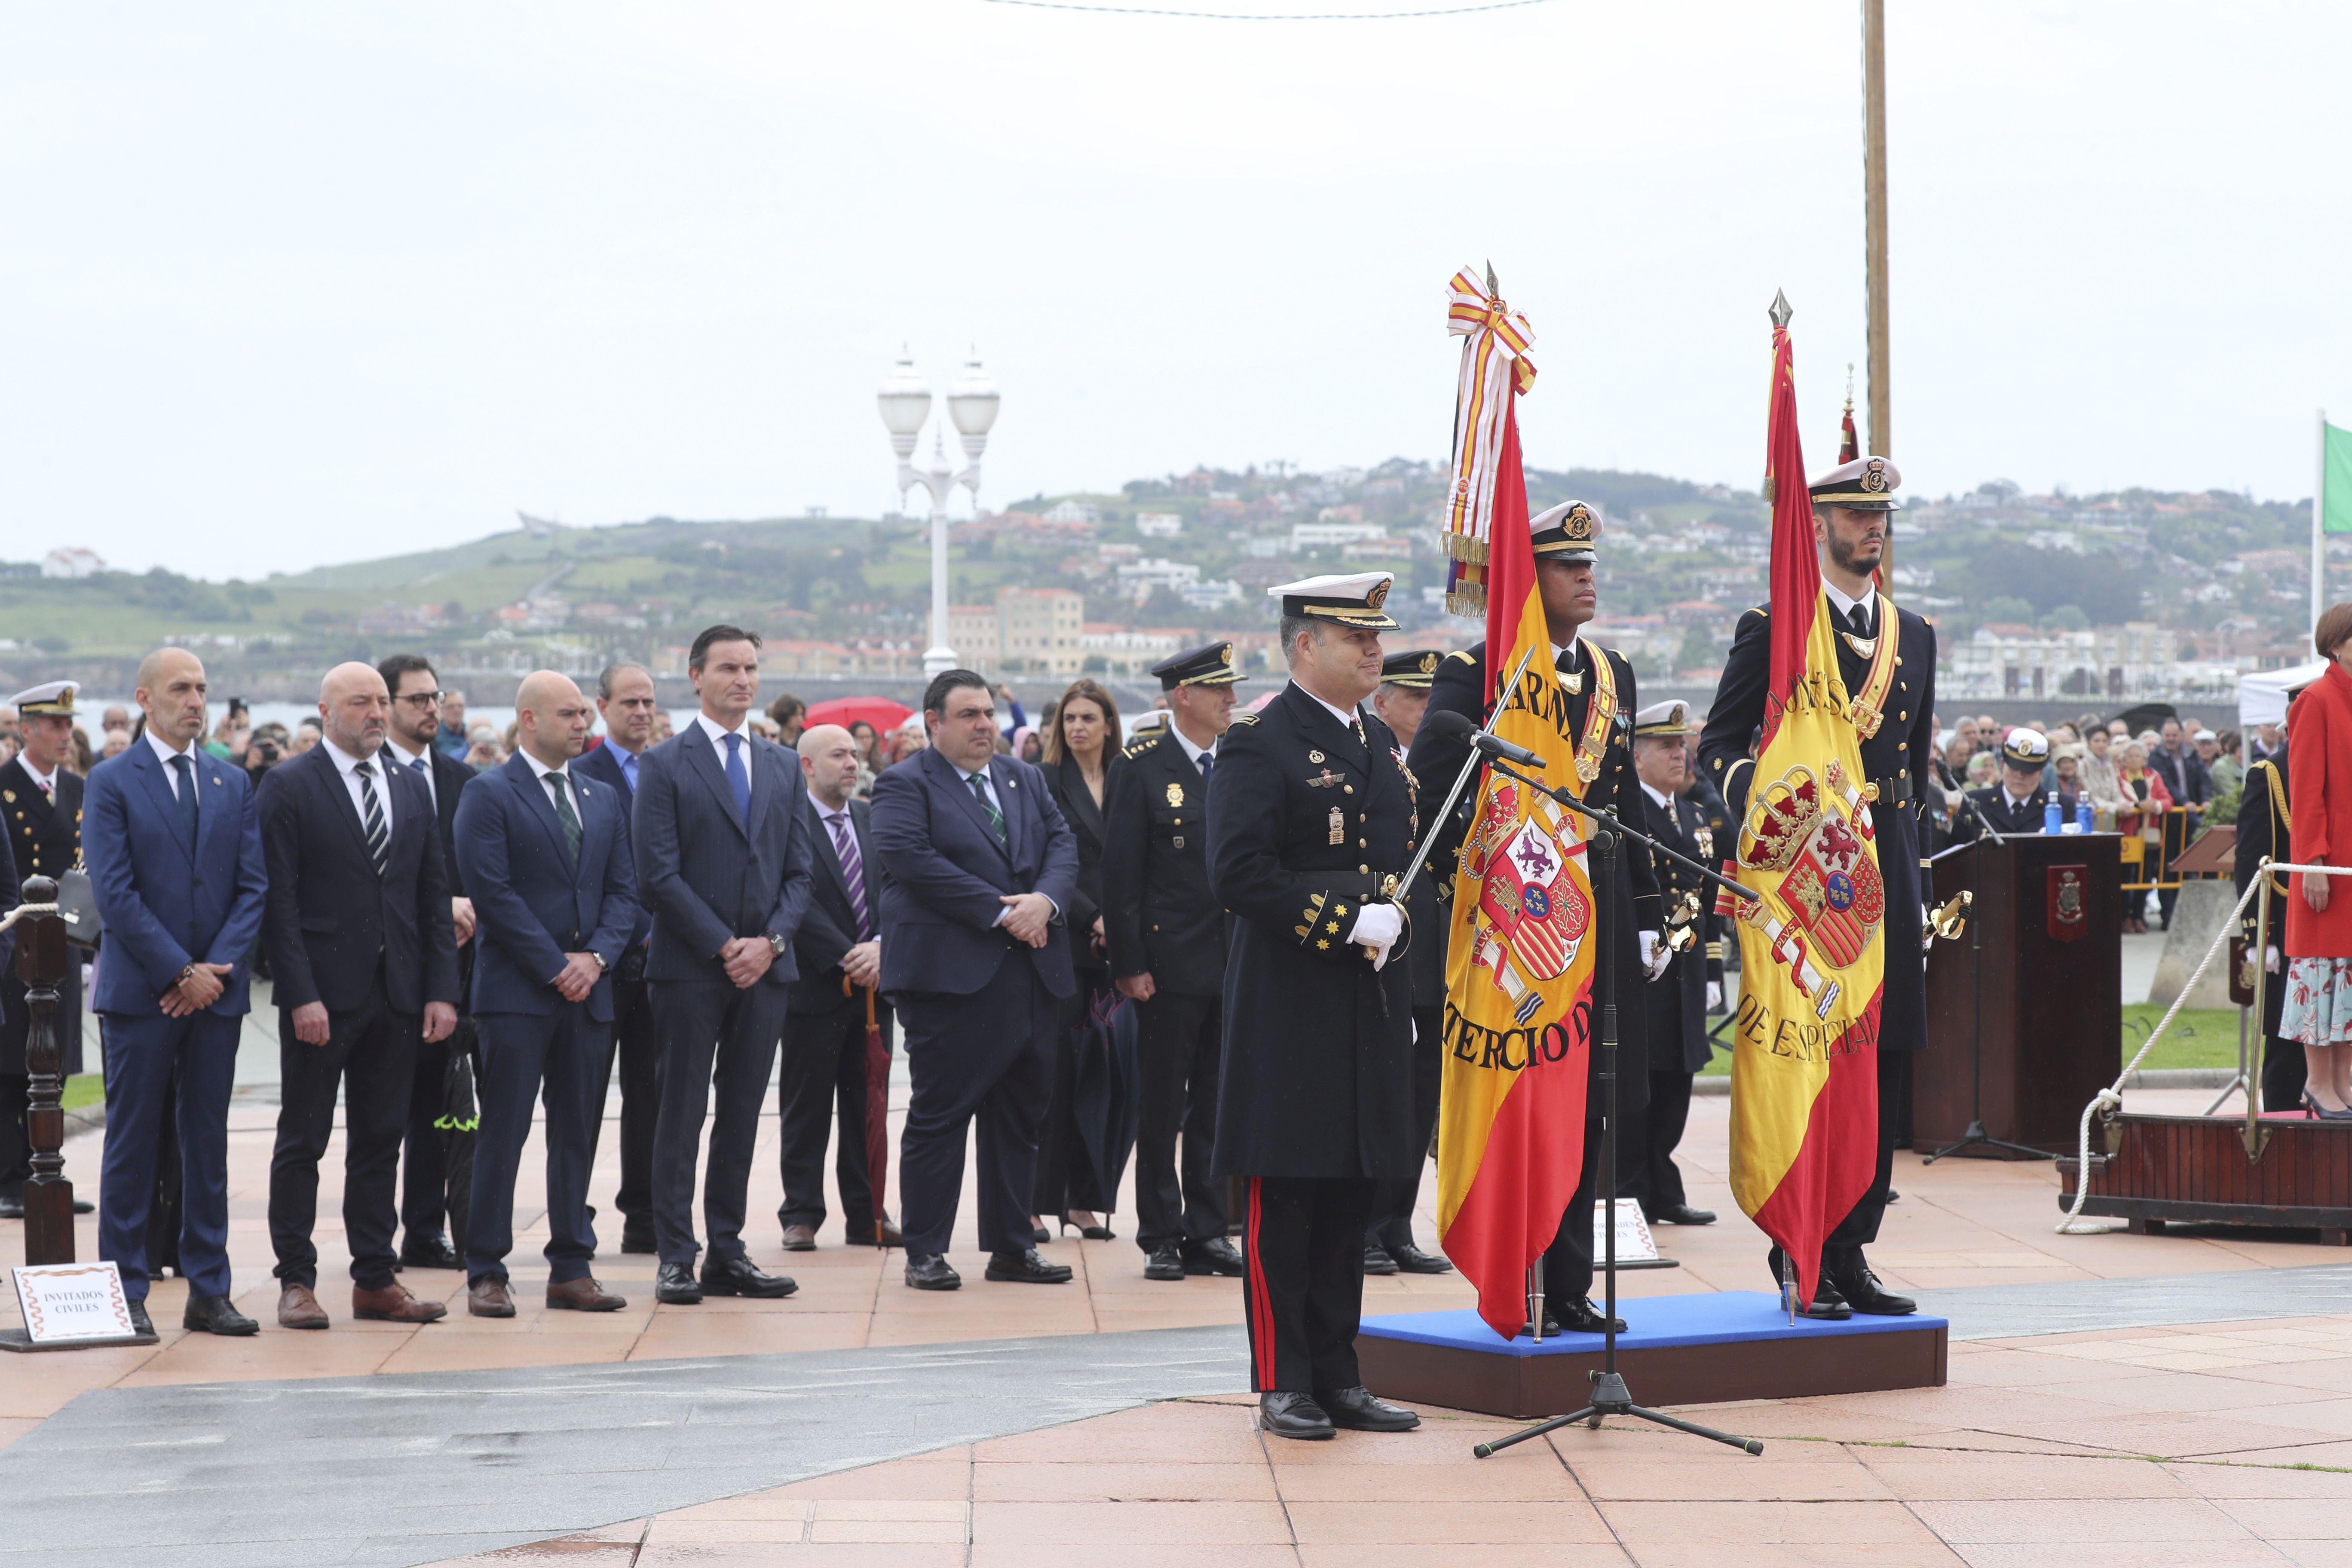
(1363, 870)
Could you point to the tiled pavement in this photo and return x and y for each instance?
(2110, 1445)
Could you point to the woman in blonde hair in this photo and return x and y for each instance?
(2141, 821)
(2317, 1013)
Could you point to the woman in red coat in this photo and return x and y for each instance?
(2317, 1012)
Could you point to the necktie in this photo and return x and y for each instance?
(1859, 619)
(1208, 766)
(995, 817)
(372, 823)
(46, 792)
(566, 815)
(187, 772)
(853, 869)
(738, 778)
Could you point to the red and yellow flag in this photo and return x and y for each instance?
(1804, 1067)
(1520, 961)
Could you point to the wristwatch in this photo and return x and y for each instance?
(776, 944)
(602, 966)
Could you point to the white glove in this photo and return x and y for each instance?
(1926, 930)
(2271, 959)
(1377, 927)
(1655, 955)
(1715, 995)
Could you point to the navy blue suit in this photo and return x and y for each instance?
(168, 900)
(713, 873)
(634, 1040)
(534, 903)
(978, 1006)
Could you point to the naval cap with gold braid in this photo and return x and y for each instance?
(1209, 666)
(1866, 484)
(1661, 720)
(1349, 599)
(1564, 532)
(54, 699)
(1413, 669)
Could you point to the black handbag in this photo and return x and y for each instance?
(78, 907)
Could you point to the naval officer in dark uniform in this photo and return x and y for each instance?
(1311, 821)
(1564, 539)
(2017, 803)
(1692, 986)
(2263, 823)
(40, 801)
(1893, 702)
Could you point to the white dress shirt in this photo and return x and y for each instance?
(396, 753)
(344, 765)
(45, 783)
(1666, 803)
(1845, 606)
(1347, 717)
(171, 774)
(1196, 752)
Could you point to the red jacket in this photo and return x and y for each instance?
(2320, 723)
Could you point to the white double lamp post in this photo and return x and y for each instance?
(906, 402)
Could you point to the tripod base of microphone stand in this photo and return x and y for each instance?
(1975, 1136)
(1610, 1398)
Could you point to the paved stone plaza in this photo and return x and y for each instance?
(2113, 1400)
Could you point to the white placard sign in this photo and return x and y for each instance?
(64, 1301)
(1634, 1243)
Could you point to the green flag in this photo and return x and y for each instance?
(2336, 476)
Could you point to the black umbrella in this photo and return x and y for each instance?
(459, 1121)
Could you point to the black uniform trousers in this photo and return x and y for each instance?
(2285, 1073)
(1303, 1291)
(1647, 1172)
(637, 1044)
(710, 1030)
(545, 1057)
(1178, 1042)
(425, 1167)
(1391, 1225)
(825, 1072)
(985, 1057)
(372, 1051)
(1567, 1261)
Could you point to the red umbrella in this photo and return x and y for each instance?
(877, 1104)
(878, 711)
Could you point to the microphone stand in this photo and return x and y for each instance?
(1976, 1135)
(1609, 1396)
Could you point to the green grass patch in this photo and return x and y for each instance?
(84, 1089)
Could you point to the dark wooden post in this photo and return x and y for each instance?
(41, 959)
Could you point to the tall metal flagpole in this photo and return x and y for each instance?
(2319, 526)
(1874, 207)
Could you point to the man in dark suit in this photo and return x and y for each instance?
(363, 964)
(722, 835)
(2263, 823)
(1166, 932)
(40, 801)
(174, 847)
(839, 951)
(1692, 986)
(624, 697)
(1893, 694)
(416, 710)
(2175, 760)
(2017, 803)
(975, 950)
(546, 855)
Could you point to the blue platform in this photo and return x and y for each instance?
(1652, 1322)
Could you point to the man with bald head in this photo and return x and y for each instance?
(544, 852)
(172, 844)
(363, 957)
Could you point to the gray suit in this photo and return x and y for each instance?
(710, 873)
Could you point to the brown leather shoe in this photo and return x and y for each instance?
(799, 1238)
(887, 1234)
(583, 1295)
(298, 1308)
(393, 1304)
(488, 1297)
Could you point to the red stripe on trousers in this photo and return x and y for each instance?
(1261, 1311)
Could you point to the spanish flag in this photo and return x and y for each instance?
(1804, 1065)
(1520, 960)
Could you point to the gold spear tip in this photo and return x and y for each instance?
(1781, 310)
(1493, 289)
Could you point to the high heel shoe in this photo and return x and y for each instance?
(1091, 1232)
(2314, 1110)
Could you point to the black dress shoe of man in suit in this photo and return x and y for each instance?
(1414, 1260)
(1683, 1214)
(1026, 1268)
(1358, 1411)
(216, 1315)
(12, 1206)
(1165, 1263)
(141, 1323)
(1377, 1259)
(430, 1252)
(675, 1285)
(741, 1277)
(83, 1205)
(1830, 1304)
(1294, 1415)
(1215, 1256)
(638, 1236)
(929, 1272)
(1864, 1293)
(1584, 1318)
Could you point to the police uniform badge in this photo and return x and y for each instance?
(1175, 794)
(1339, 826)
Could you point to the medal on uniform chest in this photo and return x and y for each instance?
(1339, 826)
(1315, 757)
(1175, 794)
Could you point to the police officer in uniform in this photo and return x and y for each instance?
(1400, 702)
(1692, 988)
(1894, 698)
(2016, 804)
(2263, 823)
(1564, 538)
(1166, 933)
(1311, 822)
(40, 801)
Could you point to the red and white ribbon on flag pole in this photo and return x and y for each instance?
(1494, 364)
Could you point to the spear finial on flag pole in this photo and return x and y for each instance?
(1781, 310)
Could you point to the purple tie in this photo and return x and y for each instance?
(853, 869)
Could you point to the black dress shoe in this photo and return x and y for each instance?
(12, 1206)
(1683, 1214)
(1893, 1196)
(1026, 1268)
(1830, 1304)
(1550, 1327)
(1165, 1263)
(741, 1277)
(1864, 1293)
(929, 1272)
(1215, 1255)
(675, 1285)
(1294, 1415)
(430, 1252)
(83, 1205)
(1414, 1260)
(141, 1323)
(1358, 1411)
(216, 1315)
(1377, 1259)
(1582, 1317)
(1040, 1234)
(638, 1236)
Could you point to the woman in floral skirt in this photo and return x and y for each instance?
(2317, 1013)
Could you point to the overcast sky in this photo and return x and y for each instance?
(289, 284)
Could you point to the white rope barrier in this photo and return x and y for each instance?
(22, 909)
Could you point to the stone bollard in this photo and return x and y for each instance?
(41, 959)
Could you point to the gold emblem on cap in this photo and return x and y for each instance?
(1429, 664)
(1578, 524)
(1225, 655)
(1378, 597)
(1874, 476)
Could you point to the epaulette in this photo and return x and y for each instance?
(1143, 743)
(1245, 718)
(1461, 654)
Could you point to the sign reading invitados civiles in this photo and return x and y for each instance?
(65, 1301)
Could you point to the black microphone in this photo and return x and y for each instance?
(1446, 722)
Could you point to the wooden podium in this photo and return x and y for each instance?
(2040, 964)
